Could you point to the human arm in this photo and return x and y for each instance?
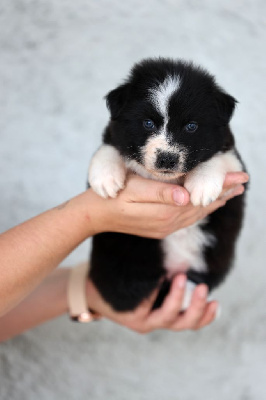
(46, 302)
(31, 250)
(57, 304)
(49, 301)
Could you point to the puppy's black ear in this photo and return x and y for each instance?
(116, 99)
(225, 105)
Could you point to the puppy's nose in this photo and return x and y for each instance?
(166, 161)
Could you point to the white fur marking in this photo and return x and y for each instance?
(107, 171)
(183, 249)
(160, 97)
(161, 94)
(139, 169)
(150, 152)
(205, 182)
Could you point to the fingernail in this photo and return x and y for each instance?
(178, 196)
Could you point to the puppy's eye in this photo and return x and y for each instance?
(191, 127)
(148, 124)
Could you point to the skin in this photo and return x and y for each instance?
(144, 208)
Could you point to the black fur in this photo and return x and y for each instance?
(126, 268)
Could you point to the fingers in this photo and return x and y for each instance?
(233, 186)
(142, 190)
(225, 196)
(195, 312)
(230, 193)
(209, 315)
(167, 314)
(148, 191)
(235, 178)
(144, 308)
(234, 181)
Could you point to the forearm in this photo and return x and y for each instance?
(47, 301)
(30, 251)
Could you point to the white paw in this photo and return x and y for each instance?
(107, 172)
(205, 182)
(204, 190)
(109, 182)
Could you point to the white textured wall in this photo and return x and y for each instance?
(57, 61)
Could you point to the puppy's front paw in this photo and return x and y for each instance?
(109, 181)
(203, 190)
(107, 172)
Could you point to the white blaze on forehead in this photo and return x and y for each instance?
(161, 94)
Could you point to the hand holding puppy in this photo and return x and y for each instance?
(162, 216)
(128, 209)
(144, 319)
(150, 208)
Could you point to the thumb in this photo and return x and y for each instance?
(142, 190)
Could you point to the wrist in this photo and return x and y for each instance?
(56, 285)
(77, 295)
(95, 300)
(92, 295)
(95, 212)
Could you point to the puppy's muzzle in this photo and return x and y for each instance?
(166, 161)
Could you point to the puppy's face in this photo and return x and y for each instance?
(168, 117)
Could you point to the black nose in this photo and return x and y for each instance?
(166, 161)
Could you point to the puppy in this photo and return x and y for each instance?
(169, 122)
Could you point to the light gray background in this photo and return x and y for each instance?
(57, 61)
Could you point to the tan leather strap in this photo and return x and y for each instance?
(76, 294)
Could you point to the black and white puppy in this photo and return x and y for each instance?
(169, 122)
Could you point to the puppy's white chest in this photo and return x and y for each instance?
(183, 249)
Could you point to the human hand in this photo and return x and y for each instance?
(144, 320)
(156, 209)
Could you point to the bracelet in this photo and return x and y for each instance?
(76, 295)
